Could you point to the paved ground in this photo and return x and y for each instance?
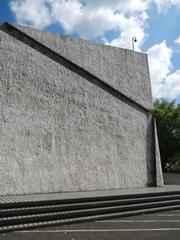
(159, 226)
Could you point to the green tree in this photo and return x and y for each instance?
(167, 115)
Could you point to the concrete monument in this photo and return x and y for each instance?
(74, 115)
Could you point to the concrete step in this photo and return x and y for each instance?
(24, 215)
(44, 216)
(48, 223)
(22, 203)
(18, 211)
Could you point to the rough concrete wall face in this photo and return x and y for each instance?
(123, 69)
(60, 132)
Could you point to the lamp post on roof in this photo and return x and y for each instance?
(134, 40)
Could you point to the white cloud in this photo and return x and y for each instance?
(106, 3)
(159, 61)
(129, 28)
(90, 18)
(31, 12)
(164, 82)
(171, 87)
(124, 6)
(87, 23)
(163, 5)
(177, 41)
(67, 13)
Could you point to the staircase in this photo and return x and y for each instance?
(35, 214)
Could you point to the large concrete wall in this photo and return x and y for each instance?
(125, 70)
(60, 132)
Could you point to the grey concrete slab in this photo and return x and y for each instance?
(60, 132)
(123, 69)
(86, 194)
(75, 116)
(159, 174)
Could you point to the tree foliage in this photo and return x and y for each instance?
(167, 115)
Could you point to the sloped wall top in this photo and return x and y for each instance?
(123, 69)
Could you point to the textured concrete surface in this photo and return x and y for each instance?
(59, 132)
(171, 178)
(159, 174)
(123, 69)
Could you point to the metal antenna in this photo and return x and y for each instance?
(134, 39)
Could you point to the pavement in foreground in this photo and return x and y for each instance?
(157, 226)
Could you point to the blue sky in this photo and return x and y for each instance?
(155, 23)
